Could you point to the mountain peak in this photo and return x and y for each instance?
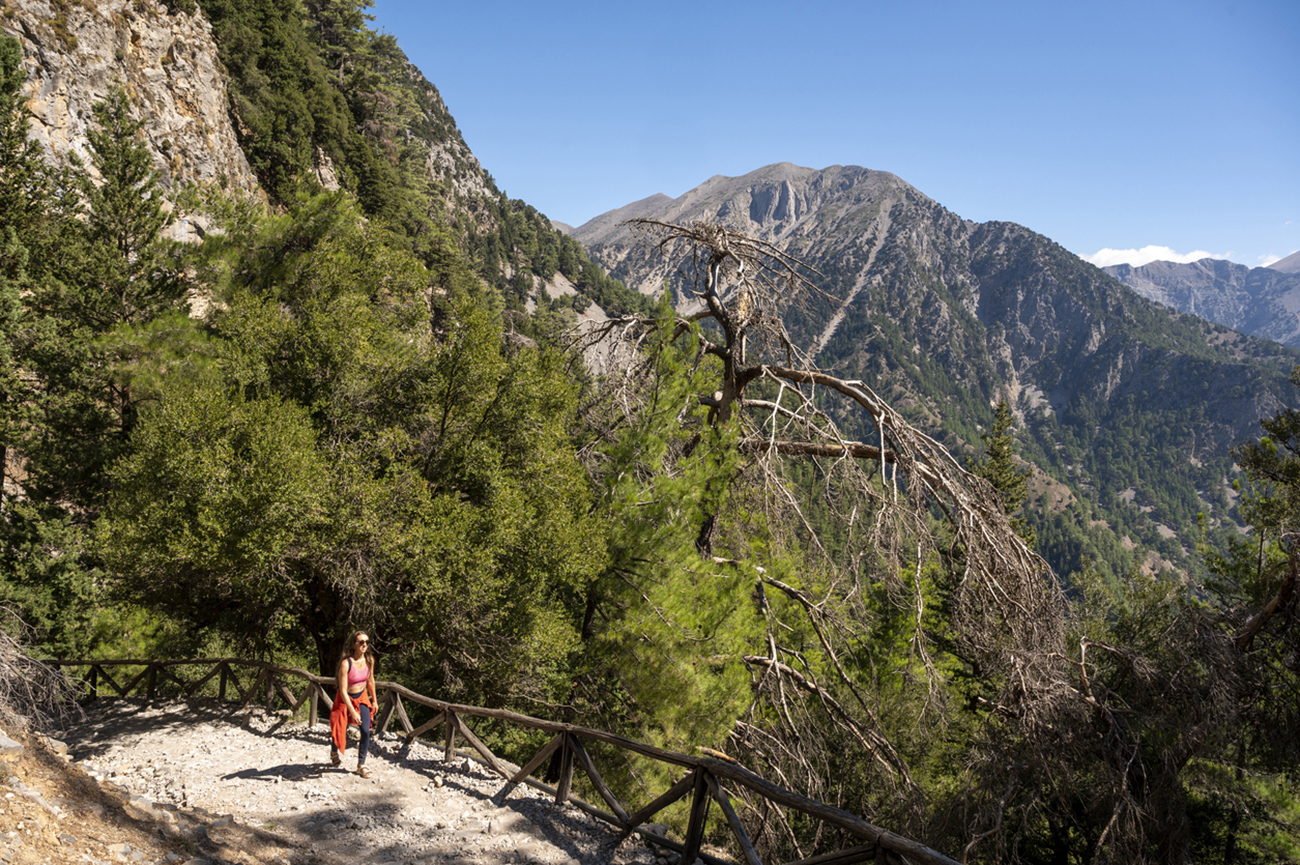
(773, 202)
(946, 317)
(1290, 264)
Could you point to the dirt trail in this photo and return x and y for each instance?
(272, 774)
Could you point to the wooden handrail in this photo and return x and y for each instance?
(702, 780)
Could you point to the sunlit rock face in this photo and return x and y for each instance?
(74, 53)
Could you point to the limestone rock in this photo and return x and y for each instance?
(34, 796)
(9, 749)
(167, 63)
(55, 746)
(140, 808)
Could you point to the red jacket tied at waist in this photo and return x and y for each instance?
(339, 719)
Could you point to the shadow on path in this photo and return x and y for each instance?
(415, 808)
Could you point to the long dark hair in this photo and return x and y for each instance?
(352, 641)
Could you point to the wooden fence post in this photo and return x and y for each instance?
(428, 725)
(400, 712)
(151, 683)
(221, 688)
(695, 825)
(386, 704)
(450, 750)
(252, 690)
(589, 766)
(668, 797)
(733, 820)
(566, 771)
(531, 766)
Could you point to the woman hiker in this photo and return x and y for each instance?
(354, 701)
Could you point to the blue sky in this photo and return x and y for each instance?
(1102, 125)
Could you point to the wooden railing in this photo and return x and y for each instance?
(705, 779)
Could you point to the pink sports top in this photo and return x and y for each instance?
(357, 675)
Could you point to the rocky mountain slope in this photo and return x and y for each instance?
(1128, 407)
(282, 98)
(167, 60)
(1290, 264)
(167, 63)
(1263, 301)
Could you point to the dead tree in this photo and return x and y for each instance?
(1083, 742)
(746, 286)
(31, 690)
(1006, 607)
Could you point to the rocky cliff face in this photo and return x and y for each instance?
(399, 152)
(946, 316)
(1264, 301)
(76, 50)
(167, 63)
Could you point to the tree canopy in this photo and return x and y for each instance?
(339, 462)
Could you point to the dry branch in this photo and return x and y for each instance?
(1006, 609)
(31, 689)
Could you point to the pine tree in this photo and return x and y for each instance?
(343, 462)
(41, 575)
(1000, 468)
(24, 191)
(1273, 464)
(112, 279)
(123, 276)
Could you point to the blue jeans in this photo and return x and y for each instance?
(364, 746)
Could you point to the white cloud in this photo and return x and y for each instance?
(1266, 260)
(1146, 255)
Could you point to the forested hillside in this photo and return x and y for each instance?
(1126, 410)
(316, 100)
(311, 83)
(335, 409)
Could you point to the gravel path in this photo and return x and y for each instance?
(273, 773)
